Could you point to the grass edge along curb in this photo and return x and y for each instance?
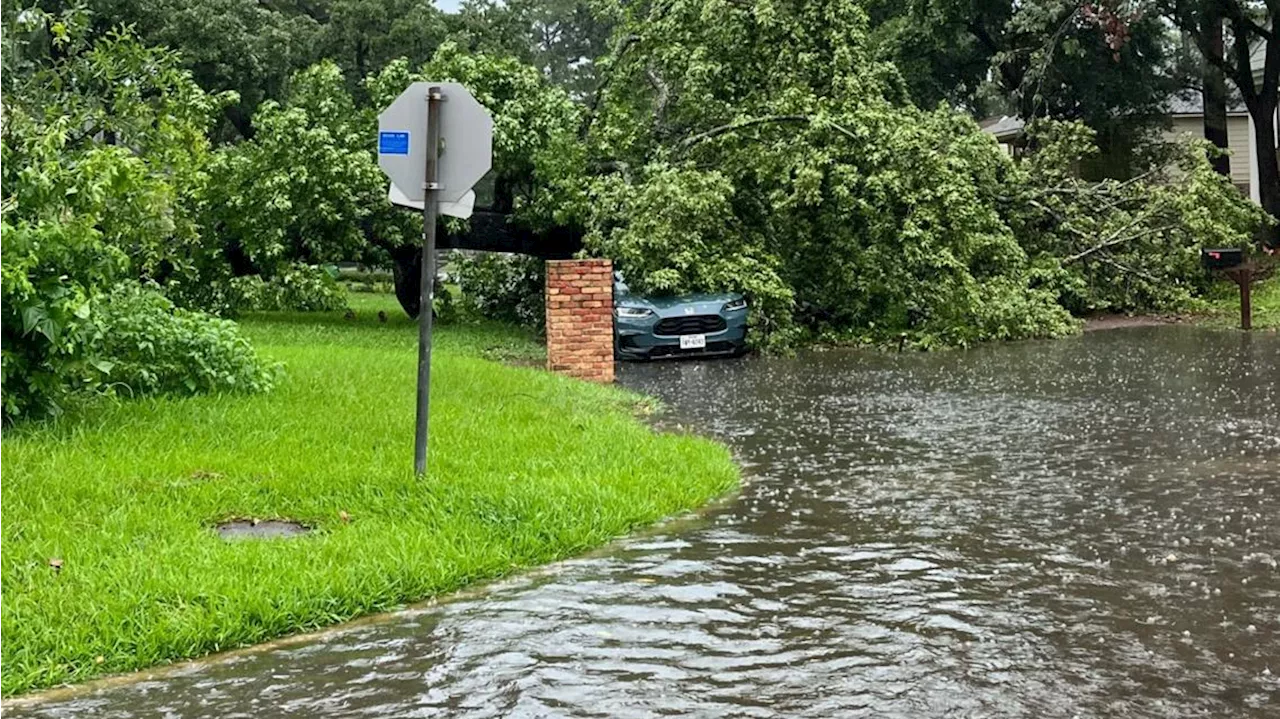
(526, 467)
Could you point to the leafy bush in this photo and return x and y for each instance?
(143, 344)
(502, 287)
(51, 272)
(210, 289)
(1123, 246)
(100, 148)
(300, 288)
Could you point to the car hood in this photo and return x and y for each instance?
(680, 305)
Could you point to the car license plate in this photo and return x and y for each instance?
(693, 342)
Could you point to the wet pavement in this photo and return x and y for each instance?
(1088, 527)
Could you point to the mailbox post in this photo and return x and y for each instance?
(1244, 277)
(1230, 262)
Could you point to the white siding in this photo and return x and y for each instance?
(1237, 139)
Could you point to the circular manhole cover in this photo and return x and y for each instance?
(264, 529)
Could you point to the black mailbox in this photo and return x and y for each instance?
(1221, 258)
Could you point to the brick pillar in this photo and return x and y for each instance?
(580, 318)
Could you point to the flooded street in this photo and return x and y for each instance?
(1088, 527)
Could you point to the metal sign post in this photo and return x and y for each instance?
(410, 134)
(427, 292)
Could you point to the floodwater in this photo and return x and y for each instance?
(1087, 527)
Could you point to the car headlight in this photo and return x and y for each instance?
(734, 305)
(633, 313)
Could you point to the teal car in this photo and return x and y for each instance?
(702, 325)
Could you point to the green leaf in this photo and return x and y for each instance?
(102, 365)
(32, 315)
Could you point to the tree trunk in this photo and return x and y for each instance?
(407, 273)
(1215, 91)
(1264, 135)
(486, 232)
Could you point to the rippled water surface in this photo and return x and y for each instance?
(1087, 527)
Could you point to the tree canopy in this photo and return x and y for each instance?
(774, 151)
(820, 156)
(771, 149)
(1112, 66)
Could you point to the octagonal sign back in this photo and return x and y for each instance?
(466, 141)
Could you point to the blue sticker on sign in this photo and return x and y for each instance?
(393, 143)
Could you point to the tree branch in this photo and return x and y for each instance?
(1184, 20)
(1233, 12)
(621, 167)
(692, 140)
(589, 117)
(1125, 268)
(1115, 240)
(660, 102)
(1270, 70)
(1243, 71)
(1107, 189)
(1011, 76)
(1062, 222)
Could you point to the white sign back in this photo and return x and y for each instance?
(466, 141)
(462, 208)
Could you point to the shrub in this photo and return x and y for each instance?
(1122, 246)
(508, 288)
(103, 152)
(300, 288)
(143, 344)
(51, 272)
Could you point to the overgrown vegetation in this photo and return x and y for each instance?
(1123, 246)
(770, 152)
(507, 288)
(775, 151)
(102, 157)
(142, 345)
(111, 562)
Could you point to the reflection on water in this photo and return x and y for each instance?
(1086, 527)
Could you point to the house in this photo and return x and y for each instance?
(1186, 116)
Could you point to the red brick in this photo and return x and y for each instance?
(580, 318)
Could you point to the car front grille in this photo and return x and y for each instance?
(690, 325)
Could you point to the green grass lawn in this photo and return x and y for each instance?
(525, 467)
(1224, 305)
